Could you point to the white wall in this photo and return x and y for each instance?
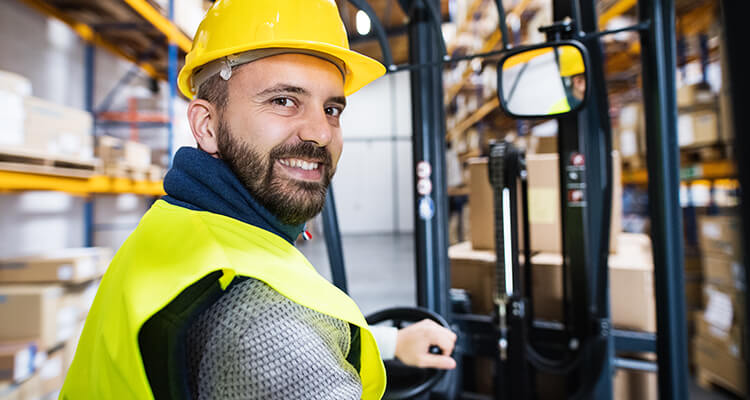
(373, 182)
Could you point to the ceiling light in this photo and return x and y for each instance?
(363, 23)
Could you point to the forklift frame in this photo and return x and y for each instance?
(588, 133)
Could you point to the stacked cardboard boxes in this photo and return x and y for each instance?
(40, 126)
(46, 299)
(632, 297)
(698, 121)
(127, 159)
(544, 204)
(719, 344)
(630, 261)
(630, 135)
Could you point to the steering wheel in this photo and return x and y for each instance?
(405, 382)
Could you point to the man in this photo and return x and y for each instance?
(208, 298)
(573, 76)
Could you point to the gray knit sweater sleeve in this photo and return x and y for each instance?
(254, 343)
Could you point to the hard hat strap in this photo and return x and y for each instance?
(223, 66)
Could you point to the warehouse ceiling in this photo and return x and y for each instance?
(394, 20)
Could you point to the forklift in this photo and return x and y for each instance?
(584, 349)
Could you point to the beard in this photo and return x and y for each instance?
(292, 201)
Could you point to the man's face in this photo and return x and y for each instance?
(280, 132)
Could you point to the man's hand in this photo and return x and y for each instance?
(413, 345)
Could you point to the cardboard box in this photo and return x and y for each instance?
(630, 132)
(74, 265)
(52, 373)
(70, 346)
(544, 204)
(632, 296)
(723, 368)
(57, 130)
(547, 288)
(635, 385)
(16, 361)
(81, 297)
(730, 340)
(12, 114)
(474, 271)
(698, 128)
(14, 83)
(724, 305)
(723, 271)
(137, 155)
(38, 313)
(719, 235)
(695, 94)
(109, 149)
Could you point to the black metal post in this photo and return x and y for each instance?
(598, 137)
(333, 242)
(734, 21)
(662, 153)
(428, 126)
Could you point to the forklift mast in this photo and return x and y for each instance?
(585, 166)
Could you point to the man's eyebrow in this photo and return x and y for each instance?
(338, 99)
(283, 88)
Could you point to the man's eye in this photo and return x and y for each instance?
(283, 101)
(333, 111)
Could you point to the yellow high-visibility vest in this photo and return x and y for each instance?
(173, 248)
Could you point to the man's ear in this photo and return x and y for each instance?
(204, 122)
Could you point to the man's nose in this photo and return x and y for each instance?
(317, 129)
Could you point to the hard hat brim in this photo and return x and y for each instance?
(360, 69)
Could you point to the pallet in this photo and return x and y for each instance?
(21, 160)
(710, 381)
(152, 173)
(703, 153)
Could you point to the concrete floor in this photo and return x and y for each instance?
(380, 274)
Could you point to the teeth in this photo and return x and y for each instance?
(295, 163)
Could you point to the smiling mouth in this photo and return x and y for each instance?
(302, 169)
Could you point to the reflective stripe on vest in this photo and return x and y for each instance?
(172, 248)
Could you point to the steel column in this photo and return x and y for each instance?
(333, 242)
(172, 81)
(89, 79)
(662, 153)
(598, 137)
(428, 126)
(734, 21)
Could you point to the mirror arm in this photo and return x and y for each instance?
(503, 24)
(385, 47)
(642, 27)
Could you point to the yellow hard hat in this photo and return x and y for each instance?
(232, 27)
(571, 61)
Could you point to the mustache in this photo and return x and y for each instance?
(302, 150)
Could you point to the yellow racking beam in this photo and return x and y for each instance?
(88, 34)
(489, 105)
(616, 10)
(162, 23)
(11, 181)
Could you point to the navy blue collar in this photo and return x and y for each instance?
(200, 182)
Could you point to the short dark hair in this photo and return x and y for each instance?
(215, 91)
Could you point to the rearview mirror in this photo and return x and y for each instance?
(543, 81)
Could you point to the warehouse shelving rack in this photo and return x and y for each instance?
(133, 30)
